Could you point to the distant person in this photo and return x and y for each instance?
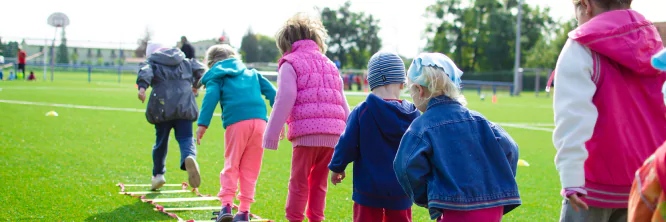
(32, 76)
(609, 115)
(452, 160)
(337, 63)
(316, 117)
(187, 48)
(21, 60)
(171, 106)
(371, 140)
(648, 192)
(239, 92)
(2, 63)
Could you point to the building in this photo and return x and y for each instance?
(661, 26)
(84, 52)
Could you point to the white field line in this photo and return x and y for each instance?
(189, 199)
(530, 126)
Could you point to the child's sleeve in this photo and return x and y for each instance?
(412, 166)
(267, 89)
(345, 105)
(347, 149)
(145, 76)
(575, 114)
(198, 71)
(508, 145)
(210, 101)
(284, 102)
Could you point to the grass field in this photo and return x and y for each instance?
(65, 168)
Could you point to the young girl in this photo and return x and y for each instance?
(310, 100)
(608, 115)
(647, 192)
(238, 90)
(452, 160)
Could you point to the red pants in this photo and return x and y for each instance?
(308, 183)
(371, 214)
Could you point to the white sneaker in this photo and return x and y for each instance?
(192, 169)
(158, 182)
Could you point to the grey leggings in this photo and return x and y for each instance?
(594, 214)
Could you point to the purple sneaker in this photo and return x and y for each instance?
(225, 214)
(242, 217)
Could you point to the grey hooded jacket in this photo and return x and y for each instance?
(172, 78)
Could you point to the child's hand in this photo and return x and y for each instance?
(337, 178)
(142, 95)
(195, 90)
(200, 133)
(282, 134)
(577, 203)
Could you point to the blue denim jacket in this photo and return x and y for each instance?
(452, 158)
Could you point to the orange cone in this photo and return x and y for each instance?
(494, 98)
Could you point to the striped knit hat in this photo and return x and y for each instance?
(385, 68)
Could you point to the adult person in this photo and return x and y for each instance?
(187, 48)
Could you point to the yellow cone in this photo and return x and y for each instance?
(52, 113)
(522, 162)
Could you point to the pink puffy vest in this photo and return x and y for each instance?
(319, 103)
(632, 116)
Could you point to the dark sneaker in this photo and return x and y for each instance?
(192, 172)
(225, 214)
(242, 217)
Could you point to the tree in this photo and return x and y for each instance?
(547, 49)
(74, 57)
(10, 50)
(268, 51)
(250, 47)
(62, 56)
(140, 51)
(479, 35)
(353, 36)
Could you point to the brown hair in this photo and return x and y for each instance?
(610, 4)
(218, 53)
(301, 27)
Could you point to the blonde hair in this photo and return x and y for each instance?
(218, 53)
(439, 84)
(301, 27)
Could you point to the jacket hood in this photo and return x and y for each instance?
(624, 36)
(169, 57)
(227, 67)
(392, 117)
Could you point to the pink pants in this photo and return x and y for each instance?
(308, 183)
(493, 214)
(365, 213)
(242, 162)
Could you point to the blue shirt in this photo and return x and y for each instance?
(452, 158)
(238, 90)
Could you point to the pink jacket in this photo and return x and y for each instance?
(631, 120)
(319, 112)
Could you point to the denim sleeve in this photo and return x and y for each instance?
(267, 89)
(508, 145)
(412, 166)
(210, 101)
(347, 149)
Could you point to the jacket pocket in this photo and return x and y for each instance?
(155, 113)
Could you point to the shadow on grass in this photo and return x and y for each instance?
(138, 211)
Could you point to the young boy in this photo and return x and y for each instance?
(371, 139)
(170, 73)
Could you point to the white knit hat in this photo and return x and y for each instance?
(152, 47)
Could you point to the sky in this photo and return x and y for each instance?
(402, 22)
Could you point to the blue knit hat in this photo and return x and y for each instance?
(385, 68)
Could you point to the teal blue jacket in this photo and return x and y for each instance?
(238, 90)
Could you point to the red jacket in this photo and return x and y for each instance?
(21, 57)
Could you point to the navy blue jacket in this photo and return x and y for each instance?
(453, 158)
(371, 140)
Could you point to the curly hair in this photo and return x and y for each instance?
(301, 27)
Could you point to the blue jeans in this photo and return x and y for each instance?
(183, 131)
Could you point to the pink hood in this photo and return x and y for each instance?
(616, 35)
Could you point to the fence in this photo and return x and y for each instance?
(82, 72)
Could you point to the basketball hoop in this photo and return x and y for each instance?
(58, 20)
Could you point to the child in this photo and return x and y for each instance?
(311, 101)
(608, 116)
(31, 77)
(647, 192)
(371, 140)
(238, 90)
(171, 106)
(452, 160)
